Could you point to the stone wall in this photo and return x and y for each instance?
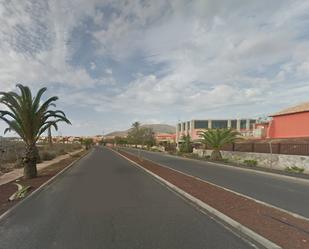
(274, 161)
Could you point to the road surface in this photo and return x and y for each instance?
(291, 195)
(106, 202)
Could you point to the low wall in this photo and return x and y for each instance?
(274, 161)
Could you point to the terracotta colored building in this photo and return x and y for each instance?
(165, 137)
(292, 122)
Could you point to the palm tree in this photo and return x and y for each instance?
(30, 118)
(134, 134)
(136, 125)
(88, 142)
(186, 145)
(49, 135)
(217, 138)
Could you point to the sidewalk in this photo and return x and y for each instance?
(16, 173)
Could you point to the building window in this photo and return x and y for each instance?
(179, 127)
(234, 124)
(201, 124)
(243, 124)
(252, 123)
(219, 124)
(188, 125)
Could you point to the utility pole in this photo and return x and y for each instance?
(271, 153)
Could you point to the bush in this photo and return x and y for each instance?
(76, 155)
(155, 150)
(294, 169)
(225, 160)
(179, 153)
(186, 148)
(19, 163)
(58, 149)
(250, 163)
(46, 156)
(62, 152)
(188, 155)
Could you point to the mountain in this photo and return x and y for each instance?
(157, 128)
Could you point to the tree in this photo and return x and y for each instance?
(134, 134)
(146, 136)
(102, 141)
(120, 140)
(186, 145)
(29, 117)
(136, 125)
(217, 138)
(141, 135)
(87, 142)
(49, 135)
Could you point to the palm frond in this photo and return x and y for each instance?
(37, 98)
(217, 138)
(27, 116)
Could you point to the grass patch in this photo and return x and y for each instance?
(47, 156)
(225, 160)
(251, 163)
(294, 169)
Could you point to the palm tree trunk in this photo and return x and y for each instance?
(37, 154)
(29, 162)
(216, 155)
(50, 139)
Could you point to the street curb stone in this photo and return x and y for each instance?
(296, 215)
(234, 224)
(278, 175)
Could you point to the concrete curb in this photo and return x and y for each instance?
(234, 192)
(278, 175)
(40, 188)
(246, 232)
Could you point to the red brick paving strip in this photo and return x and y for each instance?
(279, 227)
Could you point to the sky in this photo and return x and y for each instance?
(115, 62)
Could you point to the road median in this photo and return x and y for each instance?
(268, 226)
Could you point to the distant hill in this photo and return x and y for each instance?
(157, 128)
(116, 134)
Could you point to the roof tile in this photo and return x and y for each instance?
(304, 107)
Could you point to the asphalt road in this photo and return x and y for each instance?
(106, 202)
(291, 195)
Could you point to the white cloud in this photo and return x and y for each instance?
(109, 71)
(93, 66)
(35, 41)
(234, 57)
(231, 54)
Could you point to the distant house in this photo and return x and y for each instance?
(292, 122)
(165, 138)
(261, 129)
